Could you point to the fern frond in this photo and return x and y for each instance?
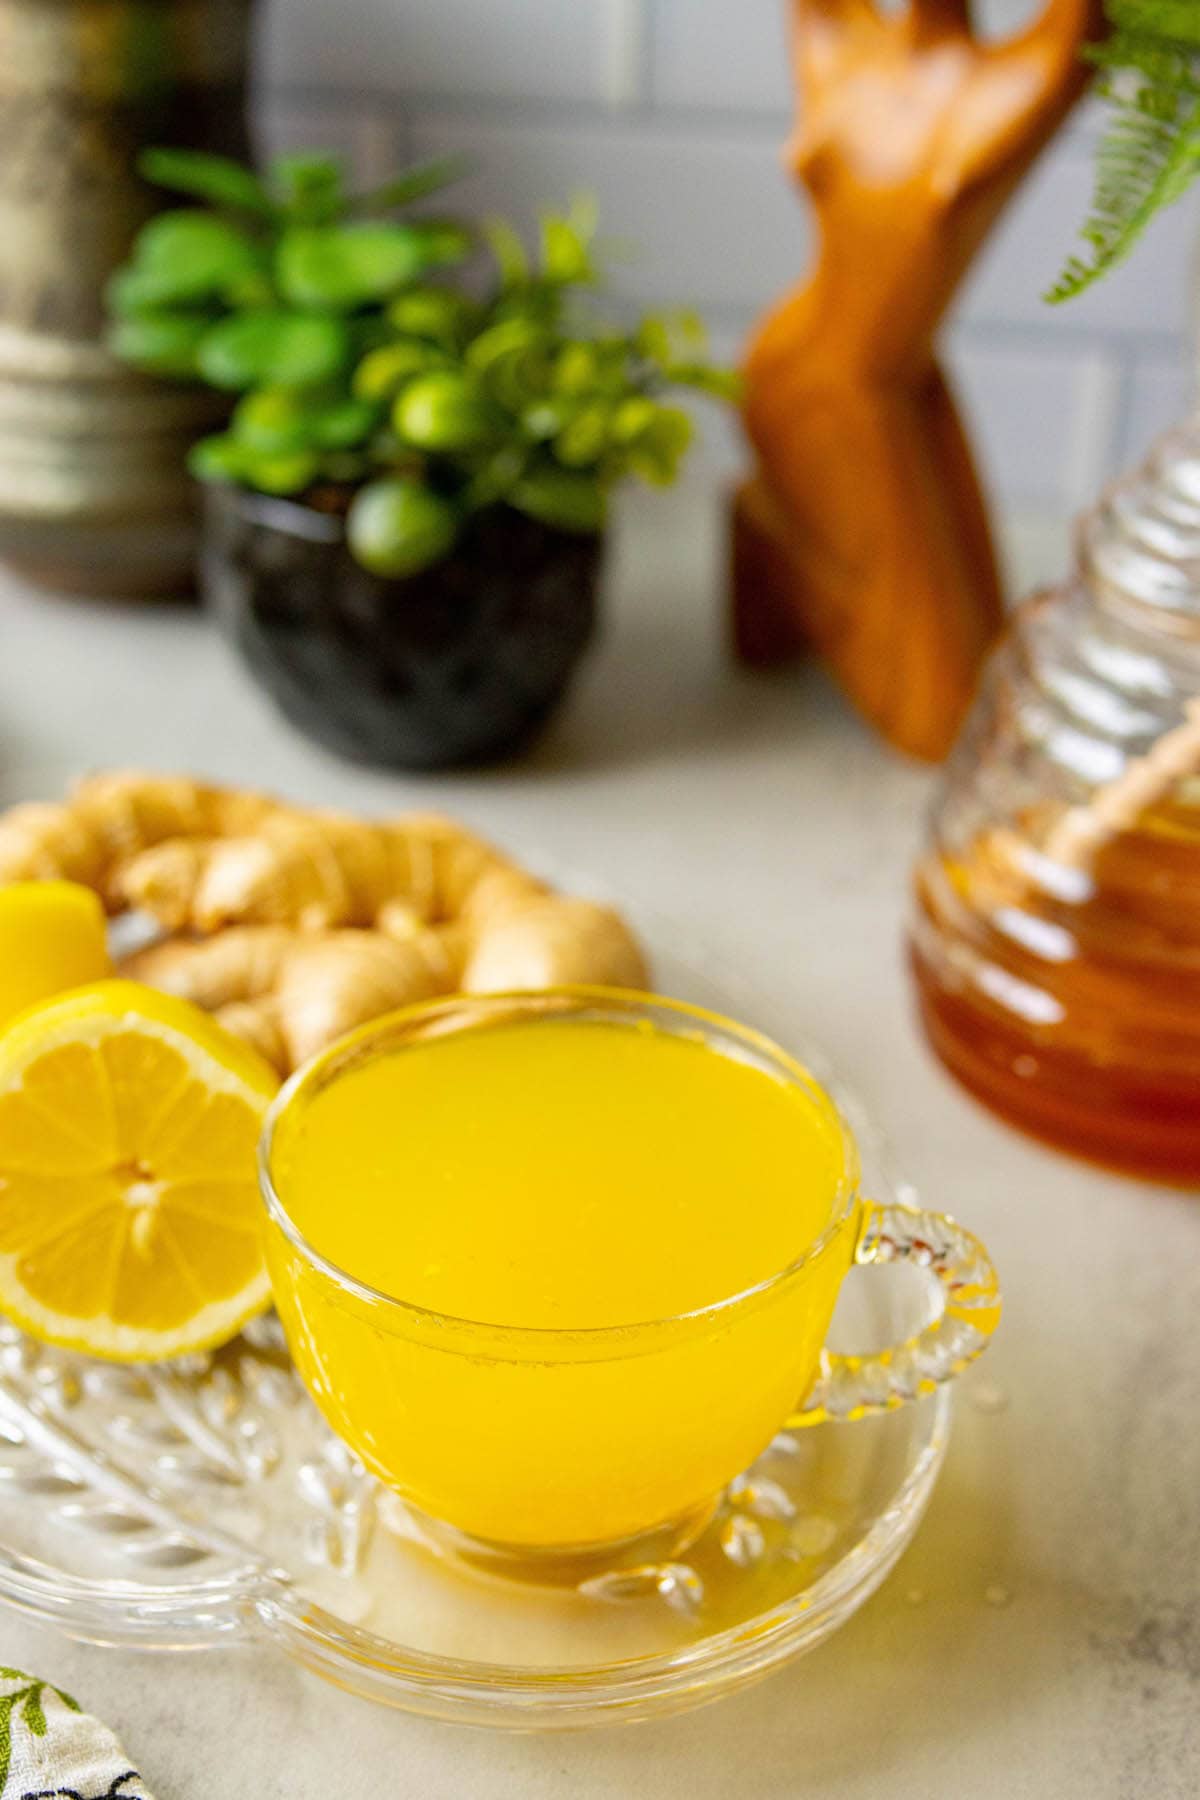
(1166, 20)
(1150, 154)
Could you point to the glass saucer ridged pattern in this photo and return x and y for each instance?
(204, 1502)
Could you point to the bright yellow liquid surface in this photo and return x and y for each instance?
(562, 1175)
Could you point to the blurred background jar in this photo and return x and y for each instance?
(93, 493)
(1057, 934)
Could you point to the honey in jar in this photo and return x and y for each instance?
(1056, 940)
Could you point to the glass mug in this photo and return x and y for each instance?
(540, 1449)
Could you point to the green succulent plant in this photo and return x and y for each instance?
(364, 372)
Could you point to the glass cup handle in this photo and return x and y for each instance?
(853, 1387)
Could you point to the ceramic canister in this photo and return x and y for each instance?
(93, 492)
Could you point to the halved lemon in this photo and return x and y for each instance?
(129, 1211)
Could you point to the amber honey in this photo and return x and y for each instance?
(1068, 998)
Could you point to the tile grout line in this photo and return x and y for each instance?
(630, 89)
(627, 73)
(1094, 440)
(1120, 454)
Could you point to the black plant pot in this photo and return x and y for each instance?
(463, 663)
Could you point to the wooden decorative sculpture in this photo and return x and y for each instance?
(863, 530)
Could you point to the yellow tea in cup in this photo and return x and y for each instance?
(558, 1266)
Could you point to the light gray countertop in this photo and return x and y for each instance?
(1042, 1636)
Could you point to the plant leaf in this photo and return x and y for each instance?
(495, 477)
(583, 440)
(509, 337)
(186, 256)
(423, 178)
(282, 348)
(443, 241)
(272, 421)
(1161, 19)
(310, 185)
(281, 475)
(440, 314)
(396, 527)
(512, 259)
(577, 367)
(163, 343)
(722, 384)
(565, 257)
(514, 358)
(347, 467)
(560, 498)
(217, 458)
(545, 419)
(217, 179)
(444, 411)
(131, 290)
(383, 372)
(345, 266)
(633, 417)
(656, 451)
(664, 337)
(1150, 154)
(343, 424)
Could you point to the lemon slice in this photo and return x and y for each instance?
(129, 1211)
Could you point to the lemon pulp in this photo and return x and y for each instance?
(129, 1214)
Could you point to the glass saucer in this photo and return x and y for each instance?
(204, 1503)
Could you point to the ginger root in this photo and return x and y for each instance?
(199, 858)
(110, 819)
(298, 926)
(313, 870)
(291, 993)
(288, 993)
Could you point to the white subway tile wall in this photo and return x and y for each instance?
(674, 113)
(1160, 387)
(505, 50)
(701, 215)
